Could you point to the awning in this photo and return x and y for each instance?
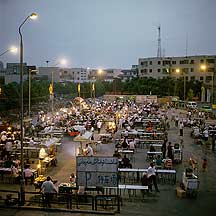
(84, 137)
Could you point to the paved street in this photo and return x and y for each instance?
(163, 203)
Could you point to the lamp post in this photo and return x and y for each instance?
(62, 62)
(12, 50)
(177, 70)
(30, 72)
(22, 185)
(203, 67)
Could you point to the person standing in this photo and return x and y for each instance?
(170, 151)
(49, 189)
(181, 126)
(151, 174)
(88, 150)
(99, 125)
(213, 141)
(163, 149)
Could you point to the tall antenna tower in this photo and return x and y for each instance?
(159, 42)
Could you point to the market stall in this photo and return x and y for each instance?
(84, 138)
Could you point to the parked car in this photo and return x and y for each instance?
(191, 105)
(206, 108)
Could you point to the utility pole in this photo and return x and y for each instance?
(159, 43)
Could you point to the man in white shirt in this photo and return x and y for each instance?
(88, 150)
(99, 125)
(42, 153)
(151, 174)
(132, 145)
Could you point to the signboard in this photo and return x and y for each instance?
(97, 171)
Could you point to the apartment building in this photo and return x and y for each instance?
(76, 75)
(200, 68)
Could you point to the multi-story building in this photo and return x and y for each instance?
(12, 72)
(129, 74)
(200, 68)
(77, 75)
(104, 74)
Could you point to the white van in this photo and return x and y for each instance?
(192, 105)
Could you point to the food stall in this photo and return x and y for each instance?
(47, 154)
(177, 153)
(190, 183)
(84, 138)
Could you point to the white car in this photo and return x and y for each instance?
(192, 105)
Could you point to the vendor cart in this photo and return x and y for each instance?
(177, 153)
(190, 183)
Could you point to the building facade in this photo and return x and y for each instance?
(201, 68)
(76, 75)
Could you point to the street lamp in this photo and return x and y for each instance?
(178, 70)
(203, 67)
(30, 72)
(22, 185)
(12, 50)
(61, 62)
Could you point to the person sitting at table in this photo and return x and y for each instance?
(28, 174)
(32, 142)
(159, 162)
(15, 172)
(154, 135)
(144, 182)
(72, 178)
(132, 145)
(152, 148)
(126, 162)
(8, 147)
(125, 143)
(9, 163)
(117, 154)
(3, 153)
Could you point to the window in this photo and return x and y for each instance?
(159, 70)
(184, 61)
(185, 70)
(144, 63)
(165, 70)
(186, 78)
(191, 70)
(159, 62)
(150, 70)
(150, 62)
(174, 62)
(211, 69)
(201, 61)
(166, 63)
(201, 78)
(192, 61)
(208, 78)
(210, 61)
(192, 78)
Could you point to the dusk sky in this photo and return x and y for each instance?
(106, 33)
